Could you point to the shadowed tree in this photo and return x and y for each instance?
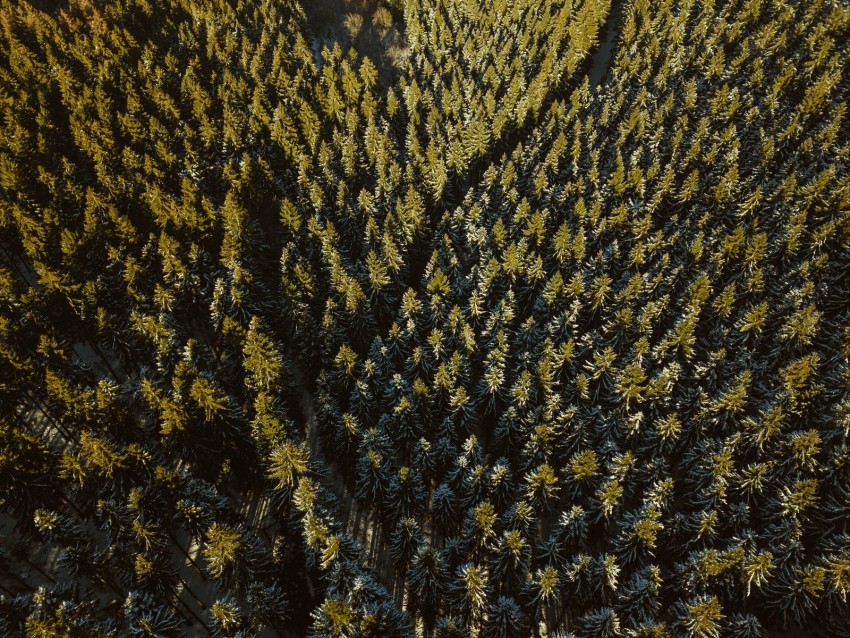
(602, 622)
(744, 626)
(406, 494)
(639, 600)
(510, 563)
(444, 509)
(427, 579)
(267, 606)
(146, 618)
(28, 472)
(505, 620)
(541, 594)
(404, 541)
(372, 479)
(451, 627)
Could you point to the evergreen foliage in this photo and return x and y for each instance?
(296, 343)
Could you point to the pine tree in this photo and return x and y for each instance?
(263, 360)
(504, 620)
(148, 619)
(428, 579)
(232, 555)
(404, 541)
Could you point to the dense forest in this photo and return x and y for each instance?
(437, 318)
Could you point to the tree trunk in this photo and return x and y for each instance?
(193, 614)
(198, 600)
(32, 565)
(185, 553)
(26, 586)
(73, 506)
(104, 359)
(36, 403)
(7, 591)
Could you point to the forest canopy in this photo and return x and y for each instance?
(450, 318)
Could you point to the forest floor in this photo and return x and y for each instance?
(359, 522)
(368, 26)
(601, 57)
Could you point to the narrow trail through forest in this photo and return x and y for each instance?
(358, 521)
(600, 59)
